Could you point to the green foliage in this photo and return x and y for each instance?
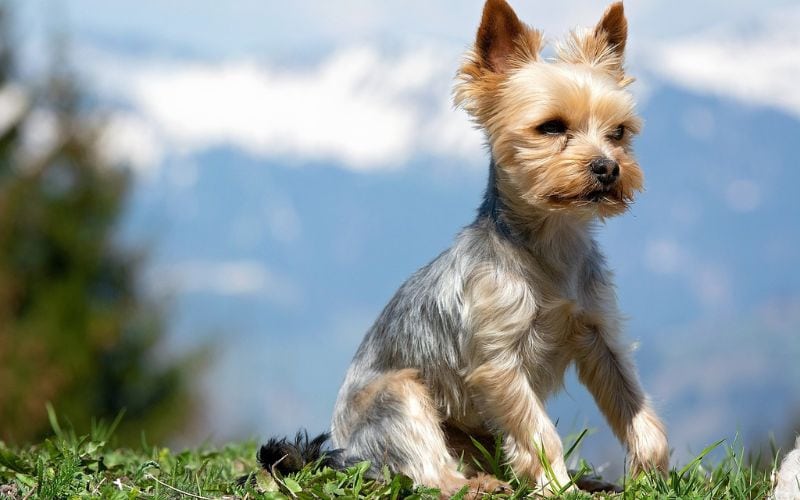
(75, 329)
(71, 466)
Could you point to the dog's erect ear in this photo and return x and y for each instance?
(503, 44)
(603, 47)
(499, 36)
(615, 28)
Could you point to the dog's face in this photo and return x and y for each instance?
(559, 130)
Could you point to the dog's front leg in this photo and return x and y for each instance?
(507, 398)
(501, 311)
(605, 367)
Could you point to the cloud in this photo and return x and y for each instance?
(664, 256)
(230, 278)
(283, 220)
(13, 102)
(699, 123)
(130, 139)
(40, 134)
(359, 108)
(756, 63)
(743, 195)
(368, 109)
(709, 281)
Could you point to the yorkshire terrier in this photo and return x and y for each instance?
(473, 344)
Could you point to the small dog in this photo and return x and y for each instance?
(474, 343)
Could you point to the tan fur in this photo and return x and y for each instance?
(608, 372)
(424, 430)
(501, 312)
(551, 172)
(585, 89)
(524, 292)
(602, 48)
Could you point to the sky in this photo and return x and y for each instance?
(296, 161)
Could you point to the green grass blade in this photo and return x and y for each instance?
(490, 459)
(699, 458)
(574, 445)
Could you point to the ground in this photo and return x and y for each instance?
(71, 466)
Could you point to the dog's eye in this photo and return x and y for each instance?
(552, 127)
(618, 133)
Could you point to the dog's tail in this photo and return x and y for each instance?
(287, 457)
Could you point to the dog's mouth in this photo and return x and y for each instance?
(602, 195)
(605, 202)
(594, 196)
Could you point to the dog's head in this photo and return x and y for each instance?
(560, 130)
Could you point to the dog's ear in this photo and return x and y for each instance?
(614, 27)
(503, 43)
(502, 38)
(500, 27)
(603, 47)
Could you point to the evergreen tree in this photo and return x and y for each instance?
(75, 328)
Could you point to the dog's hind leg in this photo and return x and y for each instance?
(393, 422)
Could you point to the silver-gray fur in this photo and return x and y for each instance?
(548, 276)
(476, 341)
(425, 324)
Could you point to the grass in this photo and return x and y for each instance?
(71, 466)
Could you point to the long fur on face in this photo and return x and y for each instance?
(584, 89)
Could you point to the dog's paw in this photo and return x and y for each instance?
(648, 446)
(479, 486)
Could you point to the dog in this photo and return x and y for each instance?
(787, 478)
(474, 343)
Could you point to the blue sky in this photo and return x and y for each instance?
(296, 161)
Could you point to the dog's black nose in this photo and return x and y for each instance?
(605, 169)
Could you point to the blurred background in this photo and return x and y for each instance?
(204, 205)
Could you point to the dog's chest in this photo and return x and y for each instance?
(561, 302)
(547, 350)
